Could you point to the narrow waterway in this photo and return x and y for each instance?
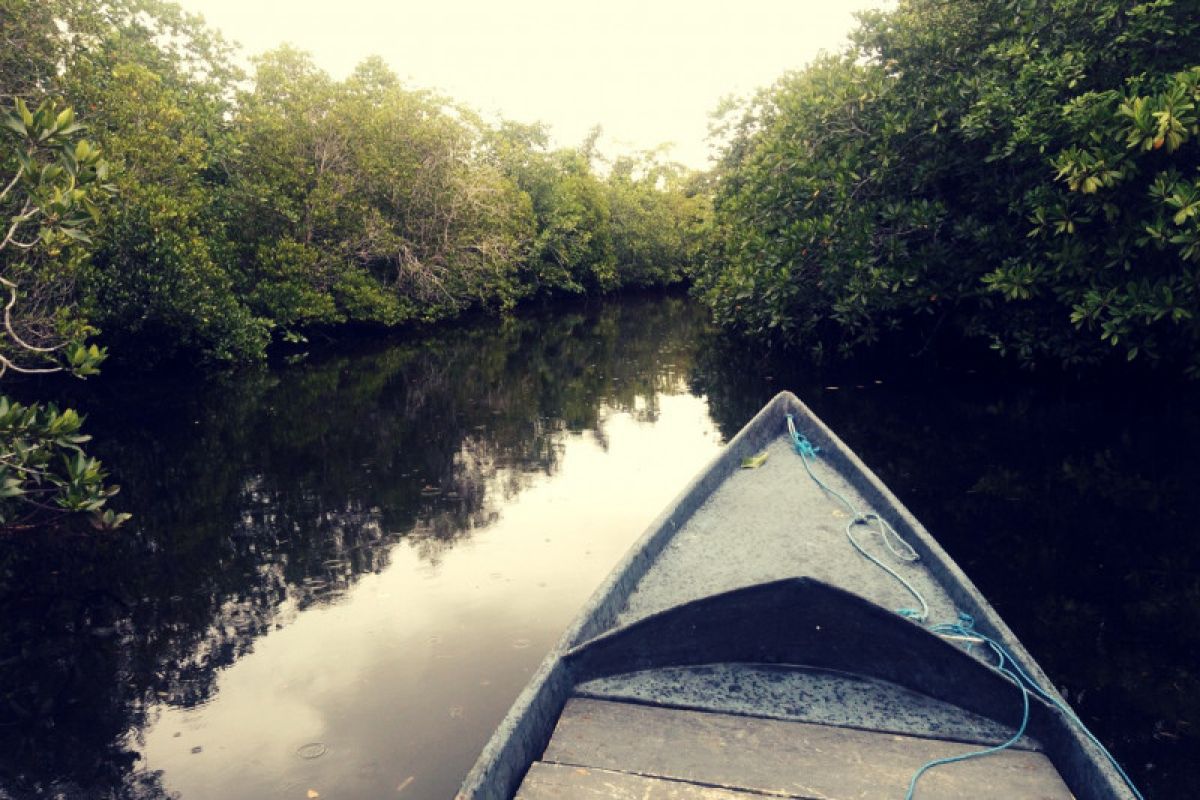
(342, 569)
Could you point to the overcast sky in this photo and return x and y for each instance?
(648, 71)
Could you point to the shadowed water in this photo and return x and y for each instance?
(342, 571)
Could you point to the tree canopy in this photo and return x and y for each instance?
(1017, 172)
(258, 206)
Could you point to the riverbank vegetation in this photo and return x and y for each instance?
(1022, 173)
(252, 207)
(210, 212)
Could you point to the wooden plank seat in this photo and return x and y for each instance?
(617, 750)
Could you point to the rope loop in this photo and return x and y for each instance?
(896, 544)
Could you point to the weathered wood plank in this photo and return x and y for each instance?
(792, 759)
(559, 782)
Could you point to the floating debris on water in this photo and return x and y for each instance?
(520, 644)
(404, 784)
(311, 750)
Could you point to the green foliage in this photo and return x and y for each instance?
(638, 226)
(288, 289)
(261, 206)
(52, 184)
(1018, 171)
(386, 204)
(569, 247)
(50, 204)
(44, 473)
(381, 185)
(162, 287)
(658, 213)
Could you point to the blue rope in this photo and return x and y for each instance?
(1008, 666)
(966, 628)
(963, 630)
(894, 542)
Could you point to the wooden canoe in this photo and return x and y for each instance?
(744, 649)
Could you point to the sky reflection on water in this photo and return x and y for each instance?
(406, 674)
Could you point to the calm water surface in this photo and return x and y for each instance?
(342, 571)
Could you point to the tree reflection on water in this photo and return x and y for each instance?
(265, 492)
(260, 493)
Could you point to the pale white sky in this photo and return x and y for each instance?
(648, 71)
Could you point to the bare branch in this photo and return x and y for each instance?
(8, 327)
(27, 213)
(7, 363)
(13, 182)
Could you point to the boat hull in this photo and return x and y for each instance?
(660, 610)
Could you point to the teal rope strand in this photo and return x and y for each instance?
(891, 538)
(964, 629)
(1008, 666)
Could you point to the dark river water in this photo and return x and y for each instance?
(342, 570)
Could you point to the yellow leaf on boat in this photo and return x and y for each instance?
(754, 462)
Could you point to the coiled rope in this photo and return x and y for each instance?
(961, 631)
